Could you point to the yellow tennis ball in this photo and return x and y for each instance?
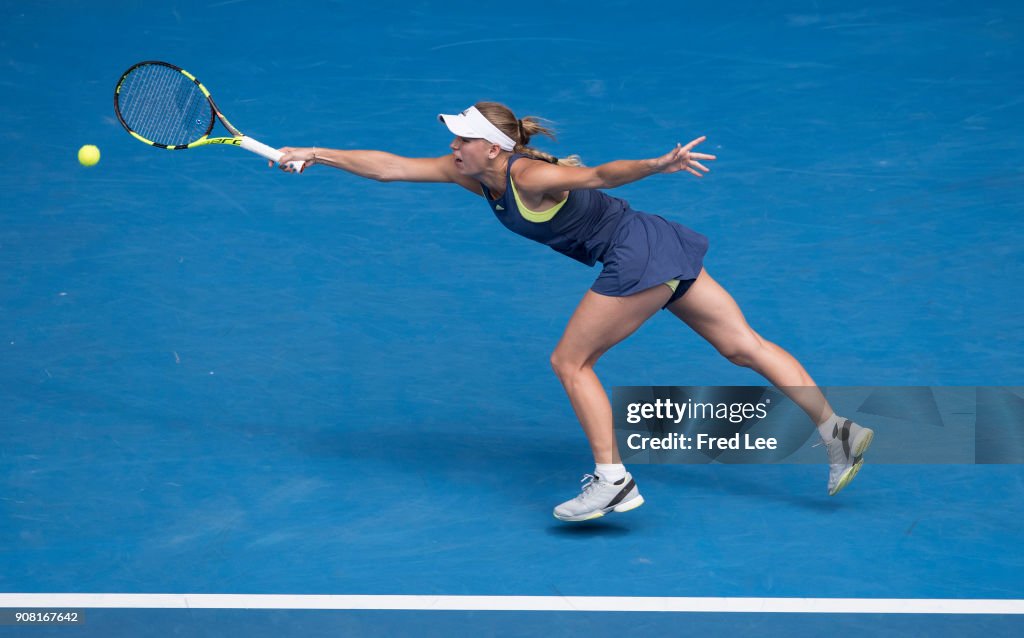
(88, 155)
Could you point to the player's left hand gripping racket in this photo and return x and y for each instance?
(167, 107)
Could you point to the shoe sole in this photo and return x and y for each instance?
(848, 476)
(859, 448)
(631, 504)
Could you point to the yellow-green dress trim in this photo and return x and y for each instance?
(532, 216)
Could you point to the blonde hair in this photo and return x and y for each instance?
(521, 130)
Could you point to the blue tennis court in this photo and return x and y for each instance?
(235, 401)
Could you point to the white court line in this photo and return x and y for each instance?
(520, 603)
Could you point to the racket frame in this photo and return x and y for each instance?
(237, 139)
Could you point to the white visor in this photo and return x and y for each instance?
(472, 123)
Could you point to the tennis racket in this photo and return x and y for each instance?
(167, 107)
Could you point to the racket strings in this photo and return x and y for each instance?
(164, 106)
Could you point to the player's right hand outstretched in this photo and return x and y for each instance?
(305, 155)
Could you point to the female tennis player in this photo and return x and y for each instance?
(648, 263)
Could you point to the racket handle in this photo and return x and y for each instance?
(271, 154)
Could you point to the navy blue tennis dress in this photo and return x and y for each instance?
(638, 250)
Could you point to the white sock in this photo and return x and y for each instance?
(826, 427)
(610, 472)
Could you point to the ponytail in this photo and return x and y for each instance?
(522, 130)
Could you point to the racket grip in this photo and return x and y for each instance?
(271, 154)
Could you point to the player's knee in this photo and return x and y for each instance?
(565, 367)
(741, 359)
(559, 364)
(744, 351)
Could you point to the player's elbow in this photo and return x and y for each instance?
(386, 173)
(383, 167)
(600, 178)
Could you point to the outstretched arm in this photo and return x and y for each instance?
(539, 177)
(379, 165)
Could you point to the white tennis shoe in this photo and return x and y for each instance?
(846, 453)
(600, 497)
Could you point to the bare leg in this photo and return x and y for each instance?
(713, 314)
(599, 323)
